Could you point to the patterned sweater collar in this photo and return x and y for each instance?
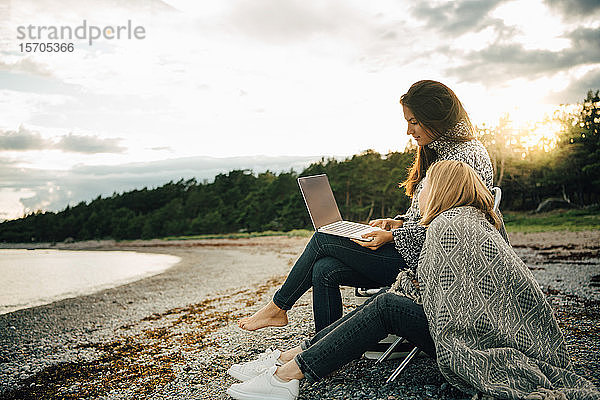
(445, 144)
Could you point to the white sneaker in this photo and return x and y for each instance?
(265, 387)
(249, 370)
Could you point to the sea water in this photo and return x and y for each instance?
(31, 278)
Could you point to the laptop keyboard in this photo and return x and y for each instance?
(345, 227)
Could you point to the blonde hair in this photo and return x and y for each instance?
(455, 184)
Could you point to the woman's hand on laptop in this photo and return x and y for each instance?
(387, 224)
(379, 239)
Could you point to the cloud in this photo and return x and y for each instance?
(501, 62)
(187, 167)
(88, 144)
(577, 89)
(161, 148)
(7, 162)
(25, 140)
(575, 8)
(28, 66)
(276, 21)
(80, 9)
(53, 190)
(32, 81)
(457, 17)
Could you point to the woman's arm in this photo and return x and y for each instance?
(409, 241)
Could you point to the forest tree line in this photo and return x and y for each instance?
(366, 186)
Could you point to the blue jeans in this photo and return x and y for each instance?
(329, 261)
(349, 337)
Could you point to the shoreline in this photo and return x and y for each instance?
(100, 271)
(181, 324)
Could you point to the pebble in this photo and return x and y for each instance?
(199, 370)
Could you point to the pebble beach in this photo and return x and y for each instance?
(173, 335)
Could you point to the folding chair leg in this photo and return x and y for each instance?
(389, 350)
(403, 365)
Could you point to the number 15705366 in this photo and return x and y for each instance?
(33, 47)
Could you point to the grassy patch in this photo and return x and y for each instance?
(556, 220)
(516, 221)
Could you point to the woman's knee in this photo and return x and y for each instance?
(325, 272)
(389, 305)
(401, 315)
(386, 301)
(315, 242)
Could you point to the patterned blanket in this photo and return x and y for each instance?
(494, 331)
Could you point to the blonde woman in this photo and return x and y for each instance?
(475, 307)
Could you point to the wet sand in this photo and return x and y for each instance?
(174, 335)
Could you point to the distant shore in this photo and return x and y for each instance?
(173, 335)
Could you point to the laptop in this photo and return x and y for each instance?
(324, 212)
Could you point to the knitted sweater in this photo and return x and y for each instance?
(410, 237)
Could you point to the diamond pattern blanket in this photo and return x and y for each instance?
(494, 331)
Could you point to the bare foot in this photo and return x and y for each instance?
(269, 315)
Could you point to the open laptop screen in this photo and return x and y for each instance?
(319, 200)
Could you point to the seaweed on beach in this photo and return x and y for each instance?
(141, 362)
(121, 362)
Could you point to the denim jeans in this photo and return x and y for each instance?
(349, 337)
(329, 261)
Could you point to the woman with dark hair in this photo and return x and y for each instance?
(441, 127)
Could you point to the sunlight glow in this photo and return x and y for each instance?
(531, 129)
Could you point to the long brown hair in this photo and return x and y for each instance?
(455, 184)
(437, 109)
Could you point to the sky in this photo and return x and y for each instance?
(269, 84)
